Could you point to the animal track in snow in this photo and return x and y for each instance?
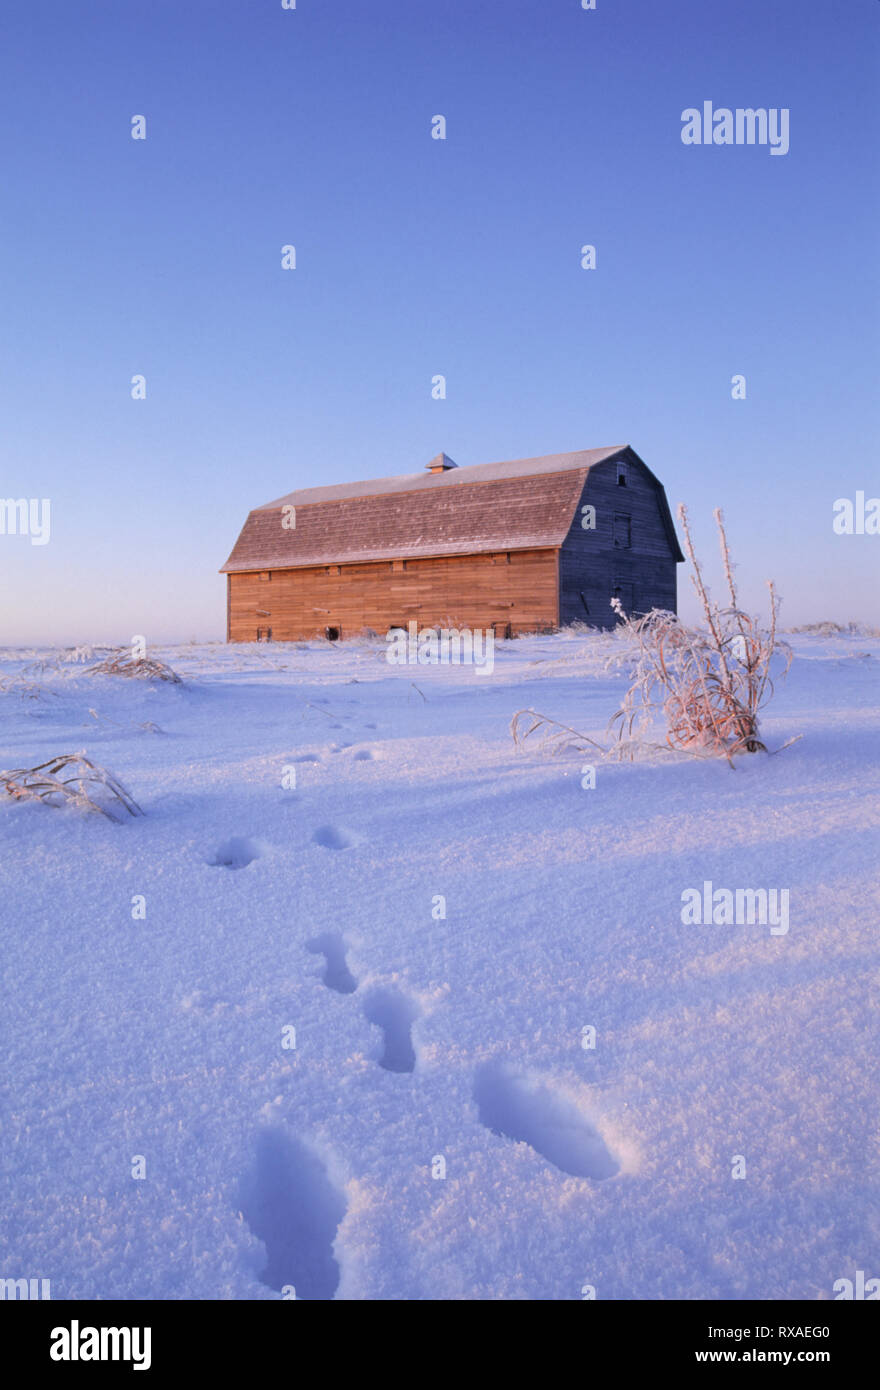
(518, 1106)
(394, 1014)
(333, 837)
(337, 974)
(236, 853)
(290, 1203)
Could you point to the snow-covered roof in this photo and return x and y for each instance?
(452, 477)
(514, 505)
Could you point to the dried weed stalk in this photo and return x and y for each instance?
(123, 663)
(709, 683)
(69, 779)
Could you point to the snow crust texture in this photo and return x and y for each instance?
(371, 1005)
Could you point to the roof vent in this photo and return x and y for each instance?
(440, 464)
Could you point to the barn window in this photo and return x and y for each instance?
(264, 634)
(397, 566)
(332, 634)
(622, 531)
(621, 475)
(265, 574)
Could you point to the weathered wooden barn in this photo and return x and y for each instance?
(523, 546)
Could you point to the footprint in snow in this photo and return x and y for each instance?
(290, 1203)
(395, 1014)
(333, 837)
(337, 974)
(519, 1106)
(236, 853)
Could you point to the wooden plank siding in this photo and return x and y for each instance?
(476, 591)
(592, 565)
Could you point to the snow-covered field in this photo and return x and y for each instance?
(425, 1041)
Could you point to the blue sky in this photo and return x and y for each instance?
(415, 257)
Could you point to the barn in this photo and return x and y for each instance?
(523, 546)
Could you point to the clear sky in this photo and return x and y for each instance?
(416, 256)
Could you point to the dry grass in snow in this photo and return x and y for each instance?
(69, 779)
(709, 683)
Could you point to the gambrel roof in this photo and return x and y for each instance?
(521, 504)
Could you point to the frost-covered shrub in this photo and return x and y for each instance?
(708, 683)
(124, 663)
(69, 779)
